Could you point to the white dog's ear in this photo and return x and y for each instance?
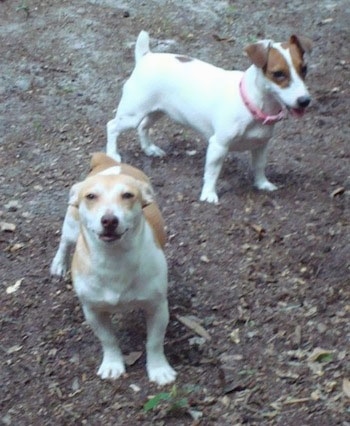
(304, 43)
(147, 193)
(258, 52)
(73, 199)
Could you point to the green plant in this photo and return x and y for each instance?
(174, 400)
(23, 7)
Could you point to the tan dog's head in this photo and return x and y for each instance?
(110, 206)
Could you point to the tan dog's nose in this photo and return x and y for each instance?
(109, 221)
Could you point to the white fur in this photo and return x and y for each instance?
(128, 272)
(207, 99)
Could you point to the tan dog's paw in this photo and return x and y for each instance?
(162, 375)
(111, 369)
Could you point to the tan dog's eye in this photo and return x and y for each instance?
(91, 196)
(128, 195)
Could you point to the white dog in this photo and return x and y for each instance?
(233, 110)
(118, 260)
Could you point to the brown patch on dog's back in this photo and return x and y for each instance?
(183, 58)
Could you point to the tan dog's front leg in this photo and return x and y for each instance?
(70, 231)
(158, 368)
(112, 365)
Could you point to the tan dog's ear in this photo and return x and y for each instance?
(303, 43)
(258, 53)
(147, 193)
(73, 199)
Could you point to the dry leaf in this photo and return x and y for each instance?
(321, 355)
(13, 349)
(16, 247)
(234, 336)
(346, 387)
(8, 227)
(258, 229)
(338, 191)
(12, 288)
(132, 358)
(194, 326)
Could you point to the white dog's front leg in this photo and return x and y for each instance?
(216, 154)
(258, 164)
(158, 368)
(70, 231)
(112, 365)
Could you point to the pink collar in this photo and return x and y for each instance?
(255, 111)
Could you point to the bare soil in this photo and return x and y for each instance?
(266, 275)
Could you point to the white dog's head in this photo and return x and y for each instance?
(284, 69)
(110, 206)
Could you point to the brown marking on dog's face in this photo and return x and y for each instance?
(297, 47)
(183, 58)
(277, 68)
(273, 63)
(126, 191)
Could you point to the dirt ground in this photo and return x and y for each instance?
(266, 275)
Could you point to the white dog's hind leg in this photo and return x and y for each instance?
(112, 365)
(112, 137)
(215, 157)
(258, 165)
(69, 236)
(148, 147)
(158, 368)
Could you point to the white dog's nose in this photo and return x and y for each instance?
(303, 101)
(109, 222)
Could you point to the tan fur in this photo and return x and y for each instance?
(100, 162)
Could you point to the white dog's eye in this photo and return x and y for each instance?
(303, 70)
(91, 196)
(128, 195)
(279, 75)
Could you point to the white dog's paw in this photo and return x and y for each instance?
(266, 186)
(162, 374)
(209, 196)
(111, 369)
(154, 151)
(58, 268)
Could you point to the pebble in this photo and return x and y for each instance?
(23, 83)
(12, 205)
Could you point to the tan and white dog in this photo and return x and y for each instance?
(118, 234)
(233, 110)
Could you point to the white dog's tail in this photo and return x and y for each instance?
(142, 45)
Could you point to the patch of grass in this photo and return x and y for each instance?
(23, 7)
(173, 401)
